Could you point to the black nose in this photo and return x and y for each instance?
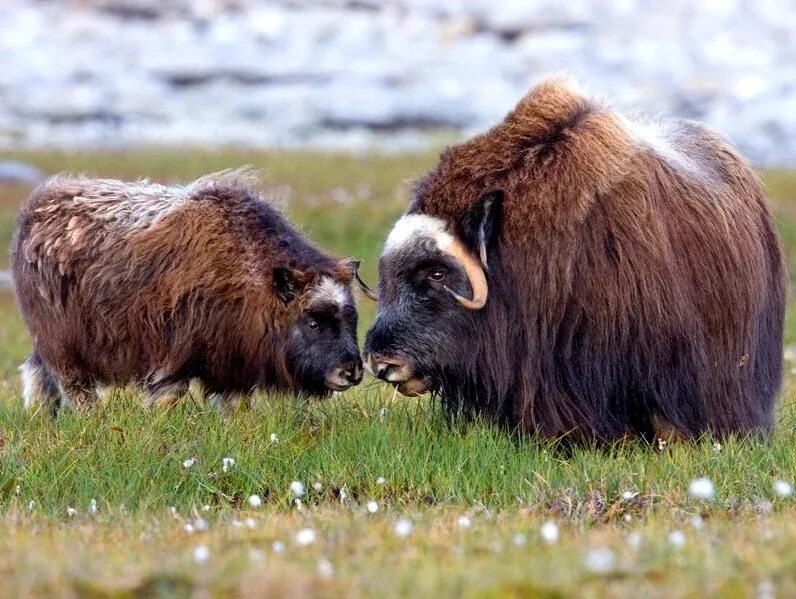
(351, 372)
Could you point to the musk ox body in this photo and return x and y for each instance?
(143, 284)
(571, 272)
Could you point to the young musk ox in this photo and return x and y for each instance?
(152, 285)
(571, 272)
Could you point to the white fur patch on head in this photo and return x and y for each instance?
(412, 226)
(331, 291)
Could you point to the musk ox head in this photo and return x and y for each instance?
(322, 352)
(434, 283)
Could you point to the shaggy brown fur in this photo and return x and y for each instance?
(636, 283)
(153, 285)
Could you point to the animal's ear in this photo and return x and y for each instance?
(480, 225)
(289, 282)
(347, 268)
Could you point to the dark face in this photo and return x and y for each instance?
(322, 352)
(431, 290)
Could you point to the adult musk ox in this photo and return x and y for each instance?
(143, 284)
(571, 272)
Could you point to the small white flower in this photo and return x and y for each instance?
(18, 489)
(599, 561)
(634, 539)
(661, 444)
(298, 504)
(278, 547)
(227, 464)
(251, 523)
(325, 568)
(71, 512)
(343, 493)
(381, 480)
(173, 511)
(297, 488)
(783, 488)
(677, 538)
(403, 528)
(92, 506)
(255, 501)
(306, 536)
(188, 528)
(274, 438)
(31, 505)
(372, 507)
(519, 540)
(317, 486)
(628, 495)
(717, 447)
(201, 554)
(549, 531)
(463, 522)
(382, 414)
(256, 555)
(702, 488)
(205, 508)
(189, 462)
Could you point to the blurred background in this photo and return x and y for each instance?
(389, 75)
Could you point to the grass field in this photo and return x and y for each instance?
(396, 501)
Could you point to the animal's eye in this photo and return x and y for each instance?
(437, 275)
(312, 324)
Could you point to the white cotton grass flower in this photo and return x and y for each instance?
(255, 501)
(628, 495)
(278, 547)
(783, 488)
(306, 536)
(600, 561)
(317, 486)
(18, 489)
(31, 505)
(702, 488)
(92, 506)
(372, 507)
(189, 528)
(549, 531)
(325, 568)
(677, 538)
(227, 464)
(381, 480)
(274, 439)
(402, 528)
(205, 508)
(256, 555)
(463, 522)
(188, 463)
(201, 554)
(717, 447)
(297, 488)
(71, 512)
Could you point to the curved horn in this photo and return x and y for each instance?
(364, 286)
(475, 275)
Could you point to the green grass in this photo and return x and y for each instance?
(622, 502)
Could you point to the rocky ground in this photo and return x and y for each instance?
(354, 74)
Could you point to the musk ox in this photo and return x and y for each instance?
(144, 284)
(572, 272)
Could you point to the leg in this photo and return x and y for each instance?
(229, 403)
(77, 394)
(164, 396)
(39, 388)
